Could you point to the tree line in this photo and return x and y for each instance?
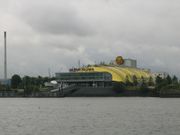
(30, 84)
(159, 84)
(149, 84)
(167, 84)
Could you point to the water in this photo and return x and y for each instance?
(89, 116)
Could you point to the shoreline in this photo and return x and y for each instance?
(89, 92)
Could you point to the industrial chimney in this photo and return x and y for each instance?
(5, 57)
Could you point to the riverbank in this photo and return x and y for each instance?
(170, 93)
(94, 92)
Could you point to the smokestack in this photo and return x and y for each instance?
(5, 57)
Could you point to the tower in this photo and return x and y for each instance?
(5, 57)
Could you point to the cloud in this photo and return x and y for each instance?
(45, 34)
(51, 18)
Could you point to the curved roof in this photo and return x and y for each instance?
(121, 74)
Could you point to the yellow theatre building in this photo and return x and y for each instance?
(120, 71)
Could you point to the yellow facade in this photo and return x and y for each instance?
(121, 74)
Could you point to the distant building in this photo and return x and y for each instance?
(5, 82)
(130, 63)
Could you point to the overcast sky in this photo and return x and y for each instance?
(56, 34)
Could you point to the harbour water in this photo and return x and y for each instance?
(90, 116)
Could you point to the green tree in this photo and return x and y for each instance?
(1, 87)
(168, 79)
(135, 82)
(15, 81)
(26, 81)
(175, 80)
(150, 81)
(159, 80)
(128, 83)
(143, 87)
(46, 79)
(27, 85)
(143, 80)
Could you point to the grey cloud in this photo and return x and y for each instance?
(56, 34)
(59, 42)
(55, 19)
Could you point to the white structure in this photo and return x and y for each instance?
(52, 84)
(163, 75)
(130, 63)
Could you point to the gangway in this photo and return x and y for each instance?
(64, 90)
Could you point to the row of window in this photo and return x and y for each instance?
(84, 76)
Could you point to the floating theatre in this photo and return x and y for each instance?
(119, 71)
